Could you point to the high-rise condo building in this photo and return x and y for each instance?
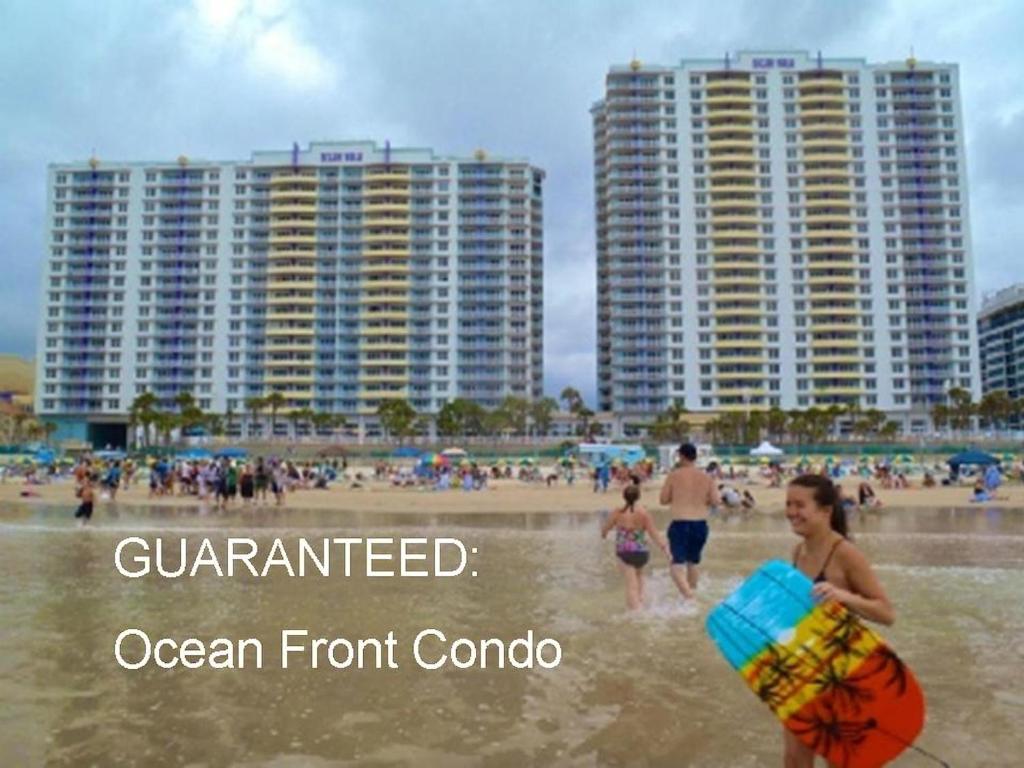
(779, 229)
(1001, 335)
(339, 276)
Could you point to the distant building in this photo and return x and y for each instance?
(780, 229)
(1001, 339)
(339, 276)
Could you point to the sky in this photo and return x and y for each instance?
(216, 79)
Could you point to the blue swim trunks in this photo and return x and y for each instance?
(687, 538)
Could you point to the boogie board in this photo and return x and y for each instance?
(830, 679)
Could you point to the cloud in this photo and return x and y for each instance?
(267, 36)
(141, 79)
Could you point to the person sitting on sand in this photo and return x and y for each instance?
(749, 502)
(866, 495)
(633, 525)
(929, 480)
(730, 496)
(980, 493)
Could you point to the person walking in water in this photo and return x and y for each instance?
(840, 571)
(690, 493)
(84, 512)
(632, 526)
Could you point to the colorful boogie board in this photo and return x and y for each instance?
(829, 679)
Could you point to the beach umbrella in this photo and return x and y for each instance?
(453, 452)
(231, 453)
(406, 452)
(195, 454)
(979, 458)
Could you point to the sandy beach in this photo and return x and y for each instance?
(508, 496)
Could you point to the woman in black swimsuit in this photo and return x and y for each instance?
(840, 571)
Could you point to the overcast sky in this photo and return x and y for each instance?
(218, 78)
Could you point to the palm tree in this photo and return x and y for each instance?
(541, 412)
(254, 405)
(396, 417)
(962, 408)
(996, 408)
(165, 424)
(302, 416)
(321, 421)
(142, 413)
(274, 401)
(572, 398)
(671, 425)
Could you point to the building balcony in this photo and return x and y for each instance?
(830, 83)
(845, 342)
(293, 194)
(733, 99)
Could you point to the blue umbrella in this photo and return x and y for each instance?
(231, 453)
(406, 452)
(194, 454)
(979, 458)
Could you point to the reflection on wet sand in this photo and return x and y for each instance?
(647, 689)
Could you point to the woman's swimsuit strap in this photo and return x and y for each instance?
(821, 574)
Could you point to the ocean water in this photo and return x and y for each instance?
(631, 689)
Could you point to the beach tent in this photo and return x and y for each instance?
(766, 449)
(406, 452)
(597, 454)
(231, 453)
(978, 458)
(195, 454)
(45, 456)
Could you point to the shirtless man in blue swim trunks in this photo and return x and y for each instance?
(691, 493)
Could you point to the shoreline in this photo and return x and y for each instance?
(500, 496)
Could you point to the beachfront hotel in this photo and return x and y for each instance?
(341, 275)
(1001, 335)
(782, 229)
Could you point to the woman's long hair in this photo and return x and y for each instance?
(631, 494)
(826, 494)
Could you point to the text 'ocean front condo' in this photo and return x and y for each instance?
(339, 276)
(777, 229)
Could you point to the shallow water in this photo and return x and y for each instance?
(631, 690)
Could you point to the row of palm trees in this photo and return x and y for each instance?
(158, 422)
(814, 425)
(22, 427)
(996, 410)
(398, 419)
(517, 416)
